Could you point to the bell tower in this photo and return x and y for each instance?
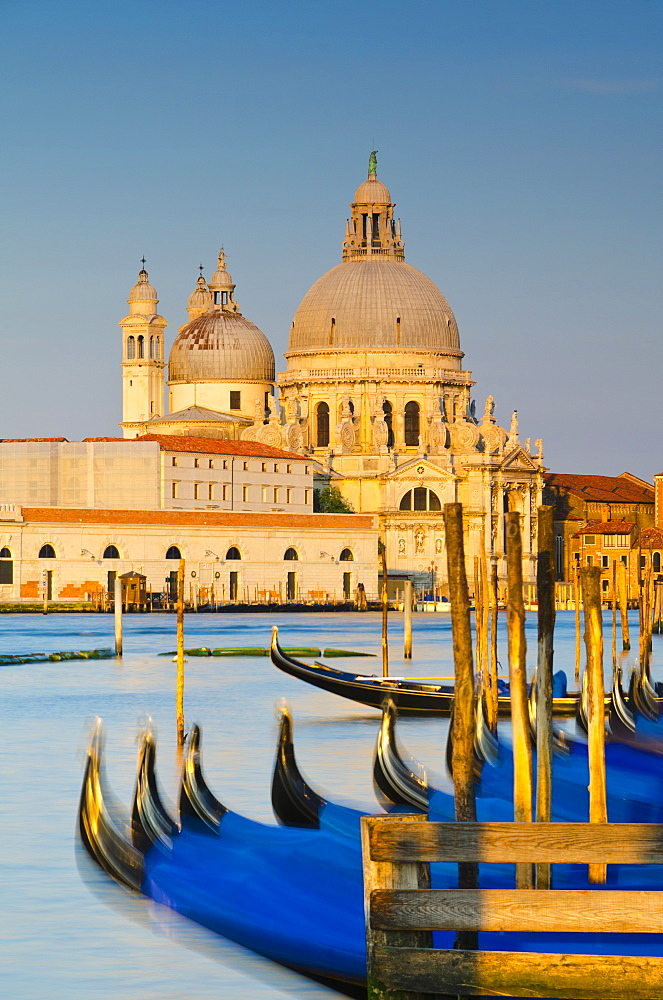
(142, 357)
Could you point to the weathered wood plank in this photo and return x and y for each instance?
(583, 910)
(556, 843)
(390, 876)
(501, 973)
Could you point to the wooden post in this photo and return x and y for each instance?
(522, 750)
(492, 687)
(462, 721)
(407, 620)
(385, 612)
(380, 875)
(576, 599)
(645, 619)
(614, 619)
(478, 612)
(117, 583)
(623, 605)
(598, 809)
(545, 583)
(484, 617)
(656, 621)
(180, 654)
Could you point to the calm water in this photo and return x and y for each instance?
(66, 932)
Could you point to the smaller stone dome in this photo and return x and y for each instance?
(221, 279)
(143, 291)
(372, 192)
(201, 297)
(221, 346)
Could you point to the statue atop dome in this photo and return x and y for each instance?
(373, 164)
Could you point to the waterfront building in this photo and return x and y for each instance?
(73, 554)
(374, 400)
(156, 471)
(375, 389)
(599, 520)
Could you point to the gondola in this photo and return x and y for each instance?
(296, 803)
(632, 771)
(294, 896)
(293, 800)
(411, 697)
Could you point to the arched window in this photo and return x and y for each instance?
(6, 566)
(111, 552)
(656, 561)
(322, 425)
(173, 553)
(291, 554)
(141, 347)
(151, 347)
(420, 498)
(47, 552)
(412, 424)
(131, 347)
(388, 418)
(346, 556)
(233, 553)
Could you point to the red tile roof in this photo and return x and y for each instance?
(606, 528)
(651, 538)
(211, 446)
(28, 440)
(602, 489)
(195, 518)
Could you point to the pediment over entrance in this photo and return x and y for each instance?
(519, 460)
(418, 470)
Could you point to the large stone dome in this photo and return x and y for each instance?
(221, 346)
(374, 302)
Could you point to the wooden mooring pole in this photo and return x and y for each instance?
(492, 687)
(598, 807)
(646, 600)
(614, 619)
(407, 620)
(576, 602)
(180, 655)
(545, 582)
(522, 750)
(462, 721)
(117, 585)
(623, 605)
(385, 612)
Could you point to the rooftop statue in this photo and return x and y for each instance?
(373, 164)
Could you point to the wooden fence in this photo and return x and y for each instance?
(402, 910)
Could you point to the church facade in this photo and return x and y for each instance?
(374, 391)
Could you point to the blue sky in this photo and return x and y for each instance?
(520, 140)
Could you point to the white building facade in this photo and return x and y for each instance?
(73, 555)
